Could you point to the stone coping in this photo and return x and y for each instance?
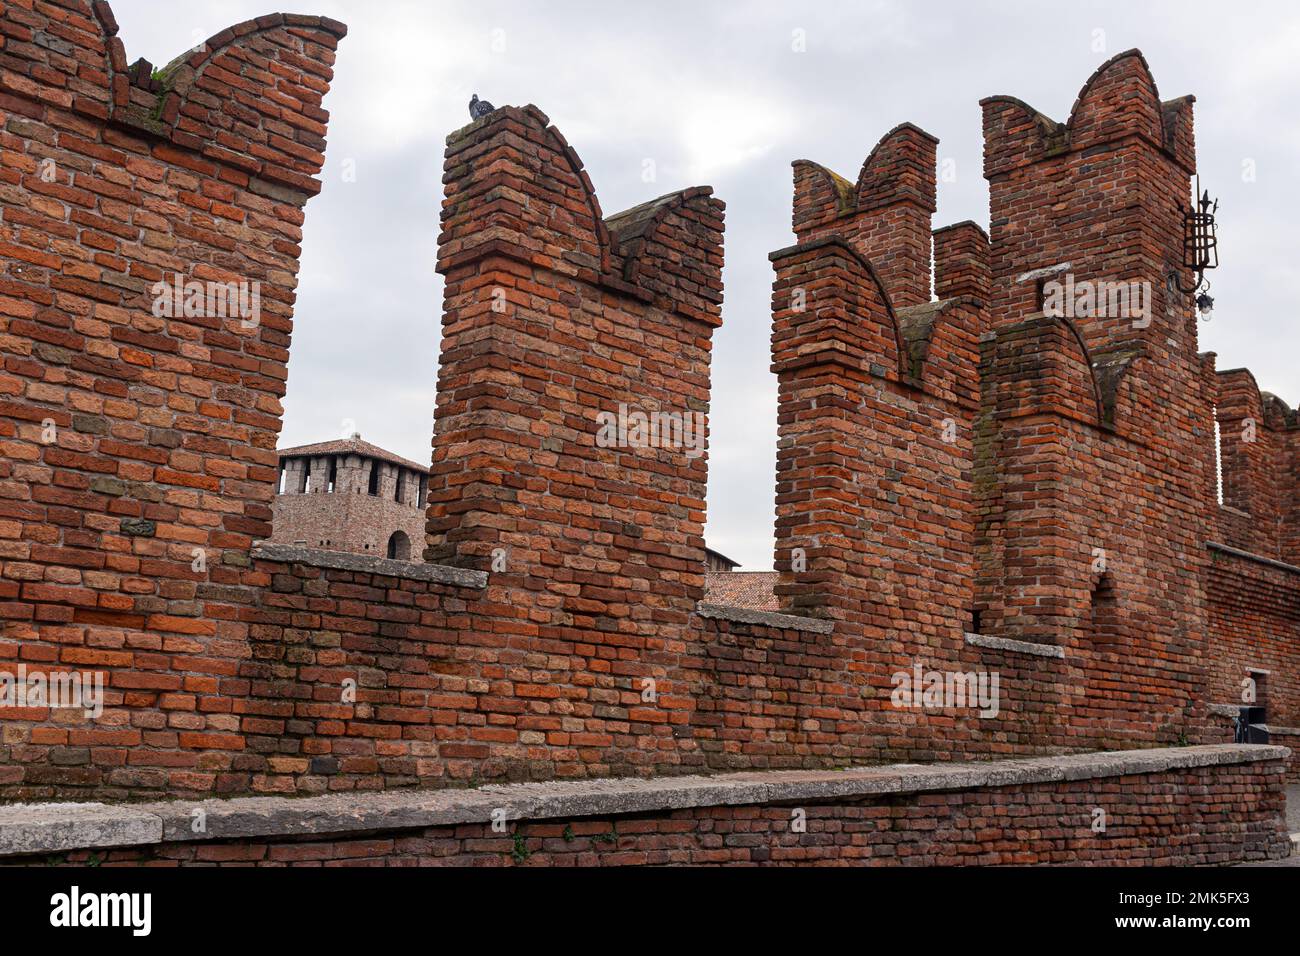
(1015, 647)
(59, 827)
(1280, 731)
(343, 561)
(56, 827)
(745, 615)
(1251, 556)
(1044, 273)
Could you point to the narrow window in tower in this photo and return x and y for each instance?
(1218, 457)
(334, 474)
(399, 493)
(374, 478)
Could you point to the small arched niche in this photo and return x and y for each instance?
(399, 546)
(1105, 625)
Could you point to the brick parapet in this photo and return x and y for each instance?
(557, 325)
(1259, 437)
(1255, 622)
(143, 434)
(961, 262)
(128, 543)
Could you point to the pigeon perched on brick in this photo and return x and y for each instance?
(479, 108)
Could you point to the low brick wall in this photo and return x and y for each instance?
(1191, 806)
(1255, 620)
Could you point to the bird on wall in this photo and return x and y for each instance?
(479, 108)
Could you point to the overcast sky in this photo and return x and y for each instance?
(715, 93)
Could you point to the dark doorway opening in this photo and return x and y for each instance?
(399, 547)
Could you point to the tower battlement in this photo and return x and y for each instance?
(885, 216)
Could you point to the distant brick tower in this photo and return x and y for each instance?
(350, 495)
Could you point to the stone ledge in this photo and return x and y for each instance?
(744, 615)
(1279, 731)
(58, 827)
(342, 561)
(1045, 273)
(1251, 556)
(49, 828)
(1015, 647)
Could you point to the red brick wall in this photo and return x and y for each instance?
(139, 447)
(1259, 436)
(1255, 626)
(776, 698)
(1094, 471)
(448, 690)
(1254, 606)
(583, 656)
(1207, 816)
(961, 262)
(229, 676)
(1255, 620)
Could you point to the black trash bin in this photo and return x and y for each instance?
(1250, 726)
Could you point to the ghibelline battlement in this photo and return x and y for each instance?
(221, 100)
(1259, 467)
(900, 168)
(553, 316)
(1272, 412)
(504, 168)
(885, 217)
(1119, 101)
(1053, 187)
(955, 491)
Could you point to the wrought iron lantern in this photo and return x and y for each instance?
(1200, 249)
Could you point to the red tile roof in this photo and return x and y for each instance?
(747, 589)
(349, 446)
